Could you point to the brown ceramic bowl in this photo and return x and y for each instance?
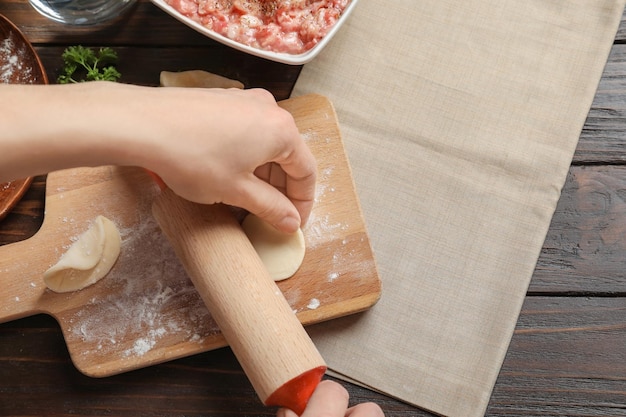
(19, 64)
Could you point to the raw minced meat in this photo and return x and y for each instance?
(288, 26)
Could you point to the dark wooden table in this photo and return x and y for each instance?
(568, 354)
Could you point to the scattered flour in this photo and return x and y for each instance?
(148, 300)
(320, 229)
(144, 345)
(13, 69)
(313, 304)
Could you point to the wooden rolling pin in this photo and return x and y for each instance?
(269, 341)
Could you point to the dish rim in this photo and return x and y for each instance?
(284, 58)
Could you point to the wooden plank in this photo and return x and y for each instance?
(585, 248)
(603, 138)
(566, 358)
(44, 382)
(621, 32)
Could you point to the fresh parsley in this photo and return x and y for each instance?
(84, 64)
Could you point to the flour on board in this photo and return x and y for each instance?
(313, 304)
(147, 302)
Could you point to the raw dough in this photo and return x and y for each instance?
(281, 253)
(197, 78)
(89, 259)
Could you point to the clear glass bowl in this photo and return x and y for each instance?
(82, 12)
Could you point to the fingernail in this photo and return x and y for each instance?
(289, 224)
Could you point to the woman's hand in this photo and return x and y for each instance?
(330, 399)
(209, 145)
(246, 151)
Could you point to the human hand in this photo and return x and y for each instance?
(330, 399)
(241, 149)
(230, 146)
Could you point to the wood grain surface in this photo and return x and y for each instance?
(566, 358)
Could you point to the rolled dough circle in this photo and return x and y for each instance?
(281, 253)
(88, 260)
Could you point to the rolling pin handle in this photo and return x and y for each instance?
(295, 394)
(274, 350)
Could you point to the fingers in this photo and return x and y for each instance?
(290, 168)
(300, 191)
(330, 399)
(268, 203)
(300, 168)
(240, 133)
(365, 410)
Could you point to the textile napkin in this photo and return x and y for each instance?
(460, 119)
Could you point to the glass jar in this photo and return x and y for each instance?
(82, 12)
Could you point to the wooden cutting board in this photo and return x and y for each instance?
(146, 310)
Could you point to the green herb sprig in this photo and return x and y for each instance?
(84, 64)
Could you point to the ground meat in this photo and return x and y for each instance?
(289, 26)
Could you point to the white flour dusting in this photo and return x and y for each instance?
(321, 229)
(12, 62)
(145, 344)
(333, 276)
(149, 300)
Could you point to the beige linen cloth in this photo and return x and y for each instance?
(460, 119)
